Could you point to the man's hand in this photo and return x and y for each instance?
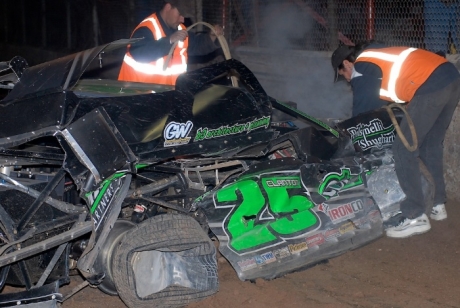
(179, 35)
(217, 30)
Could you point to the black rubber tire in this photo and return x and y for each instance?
(174, 232)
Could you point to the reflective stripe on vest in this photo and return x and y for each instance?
(398, 61)
(404, 70)
(155, 68)
(151, 72)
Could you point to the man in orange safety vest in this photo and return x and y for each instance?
(429, 87)
(144, 60)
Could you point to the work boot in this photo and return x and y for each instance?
(438, 212)
(408, 227)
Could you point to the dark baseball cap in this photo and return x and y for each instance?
(340, 54)
(185, 7)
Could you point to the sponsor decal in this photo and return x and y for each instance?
(374, 216)
(283, 183)
(297, 248)
(204, 133)
(372, 135)
(177, 133)
(348, 227)
(331, 234)
(361, 222)
(335, 182)
(101, 199)
(247, 264)
(265, 258)
(341, 212)
(315, 240)
(282, 253)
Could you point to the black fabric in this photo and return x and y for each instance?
(366, 88)
(197, 59)
(440, 77)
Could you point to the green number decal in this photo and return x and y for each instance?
(242, 223)
(289, 215)
(293, 212)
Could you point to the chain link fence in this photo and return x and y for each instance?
(72, 25)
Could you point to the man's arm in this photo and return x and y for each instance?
(366, 94)
(366, 82)
(149, 49)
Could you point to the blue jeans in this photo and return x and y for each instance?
(431, 114)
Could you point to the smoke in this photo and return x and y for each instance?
(284, 26)
(288, 71)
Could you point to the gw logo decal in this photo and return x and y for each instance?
(266, 211)
(177, 133)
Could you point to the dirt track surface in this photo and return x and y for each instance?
(421, 271)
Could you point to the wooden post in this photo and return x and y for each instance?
(43, 23)
(95, 24)
(332, 23)
(370, 12)
(255, 21)
(23, 23)
(68, 25)
(5, 20)
(132, 13)
(226, 22)
(199, 14)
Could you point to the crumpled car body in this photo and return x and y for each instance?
(131, 184)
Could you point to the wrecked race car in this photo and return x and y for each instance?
(132, 184)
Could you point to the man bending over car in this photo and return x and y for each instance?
(429, 87)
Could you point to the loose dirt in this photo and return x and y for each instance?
(421, 271)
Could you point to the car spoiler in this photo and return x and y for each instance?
(60, 74)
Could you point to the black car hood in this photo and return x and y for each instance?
(60, 74)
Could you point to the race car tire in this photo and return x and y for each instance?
(173, 233)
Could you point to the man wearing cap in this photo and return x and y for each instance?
(429, 87)
(144, 60)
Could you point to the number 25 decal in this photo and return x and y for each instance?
(266, 211)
